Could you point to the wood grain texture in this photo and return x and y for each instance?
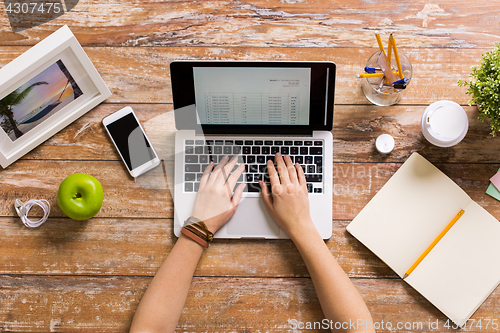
(256, 23)
(355, 131)
(354, 184)
(137, 247)
(96, 247)
(141, 74)
(86, 138)
(69, 304)
(69, 276)
(123, 197)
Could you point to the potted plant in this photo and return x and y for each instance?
(484, 88)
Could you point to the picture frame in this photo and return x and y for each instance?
(44, 90)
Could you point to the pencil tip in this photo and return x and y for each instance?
(405, 276)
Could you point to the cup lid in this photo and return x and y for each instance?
(444, 123)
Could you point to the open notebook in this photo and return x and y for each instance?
(405, 217)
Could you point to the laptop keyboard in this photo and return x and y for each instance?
(254, 154)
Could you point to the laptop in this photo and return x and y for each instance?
(253, 110)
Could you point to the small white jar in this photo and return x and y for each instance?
(444, 123)
(384, 144)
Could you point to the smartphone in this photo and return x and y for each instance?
(131, 141)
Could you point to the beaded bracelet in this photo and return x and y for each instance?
(197, 230)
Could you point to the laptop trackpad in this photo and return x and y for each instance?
(252, 219)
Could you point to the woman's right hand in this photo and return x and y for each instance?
(288, 201)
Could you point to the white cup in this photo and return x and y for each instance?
(444, 123)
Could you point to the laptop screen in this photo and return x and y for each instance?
(242, 97)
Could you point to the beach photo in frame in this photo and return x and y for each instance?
(44, 90)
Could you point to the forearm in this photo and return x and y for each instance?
(339, 299)
(162, 304)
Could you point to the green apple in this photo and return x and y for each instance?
(80, 196)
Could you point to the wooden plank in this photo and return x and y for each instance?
(257, 23)
(141, 74)
(95, 247)
(355, 131)
(354, 184)
(55, 304)
(139, 246)
(86, 138)
(123, 197)
(60, 304)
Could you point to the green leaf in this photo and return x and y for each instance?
(484, 87)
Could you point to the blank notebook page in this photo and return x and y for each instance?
(463, 268)
(408, 213)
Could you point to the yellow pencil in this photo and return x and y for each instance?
(380, 45)
(370, 75)
(373, 74)
(396, 55)
(438, 238)
(389, 48)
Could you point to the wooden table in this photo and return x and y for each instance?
(71, 276)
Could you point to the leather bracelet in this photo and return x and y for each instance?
(201, 230)
(197, 230)
(194, 237)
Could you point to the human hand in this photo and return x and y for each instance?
(215, 202)
(288, 203)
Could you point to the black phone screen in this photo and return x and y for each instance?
(131, 142)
